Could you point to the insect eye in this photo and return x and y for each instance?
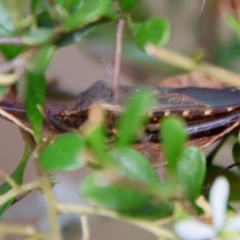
(61, 115)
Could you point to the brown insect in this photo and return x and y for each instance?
(209, 113)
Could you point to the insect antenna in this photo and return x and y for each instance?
(208, 187)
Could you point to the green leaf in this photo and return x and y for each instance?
(233, 23)
(34, 6)
(135, 179)
(16, 9)
(101, 189)
(128, 196)
(38, 36)
(6, 23)
(155, 31)
(127, 4)
(3, 91)
(70, 4)
(44, 20)
(13, 17)
(173, 135)
(11, 51)
(236, 154)
(129, 185)
(42, 59)
(66, 153)
(75, 36)
(134, 166)
(151, 211)
(96, 141)
(191, 172)
(17, 176)
(34, 98)
(90, 11)
(134, 117)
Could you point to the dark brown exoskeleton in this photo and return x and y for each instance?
(209, 113)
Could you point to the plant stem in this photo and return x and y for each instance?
(152, 227)
(189, 64)
(23, 230)
(12, 41)
(8, 179)
(13, 119)
(50, 199)
(17, 191)
(8, 79)
(85, 227)
(118, 54)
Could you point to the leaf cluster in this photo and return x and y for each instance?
(122, 179)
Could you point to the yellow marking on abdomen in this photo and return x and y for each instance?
(207, 112)
(185, 113)
(167, 113)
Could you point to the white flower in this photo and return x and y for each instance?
(193, 229)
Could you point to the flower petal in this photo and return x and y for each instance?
(233, 224)
(218, 200)
(194, 230)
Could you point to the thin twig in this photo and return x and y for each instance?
(8, 79)
(85, 227)
(28, 139)
(208, 187)
(11, 71)
(7, 67)
(8, 179)
(118, 54)
(13, 119)
(149, 226)
(12, 41)
(189, 64)
(50, 199)
(17, 65)
(23, 230)
(164, 221)
(20, 190)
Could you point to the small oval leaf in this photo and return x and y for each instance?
(151, 211)
(127, 4)
(66, 153)
(233, 23)
(134, 166)
(88, 12)
(134, 116)
(17, 176)
(11, 51)
(191, 172)
(35, 97)
(100, 189)
(6, 21)
(38, 36)
(155, 31)
(173, 135)
(129, 185)
(42, 59)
